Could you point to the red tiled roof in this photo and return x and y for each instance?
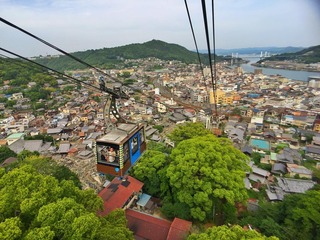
(117, 193)
(146, 226)
(179, 229)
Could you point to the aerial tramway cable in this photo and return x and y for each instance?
(67, 54)
(74, 58)
(70, 77)
(204, 12)
(194, 39)
(60, 73)
(214, 58)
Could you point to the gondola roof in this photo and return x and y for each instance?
(119, 134)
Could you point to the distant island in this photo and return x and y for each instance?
(305, 60)
(256, 50)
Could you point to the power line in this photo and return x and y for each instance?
(74, 58)
(77, 80)
(62, 51)
(194, 38)
(204, 12)
(214, 56)
(43, 66)
(54, 47)
(35, 64)
(69, 55)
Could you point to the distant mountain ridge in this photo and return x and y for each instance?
(256, 50)
(107, 57)
(113, 57)
(306, 56)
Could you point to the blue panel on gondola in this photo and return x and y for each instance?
(134, 144)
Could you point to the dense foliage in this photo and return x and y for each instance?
(151, 170)
(44, 137)
(205, 173)
(229, 233)
(6, 152)
(187, 131)
(47, 166)
(38, 206)
(201, 175)
(107, 57)
(296, 217)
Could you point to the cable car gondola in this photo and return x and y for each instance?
(120, 148)
(122, 145)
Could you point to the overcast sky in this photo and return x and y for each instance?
(77, 25)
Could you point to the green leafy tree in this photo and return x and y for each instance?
(68, 219)
(151, 170)
(205, 173)
(303, 218)
(236, 111)
(229, 233)
(68, 88)
(11, 103)
(187, 131)
(115, 225)
(24, 154)
(256, 157)
(6, 152)
(160, 147)
(10, 229)
(159, 128)
(44, 233)
(316, 175)
(47, 166)
(125, 74)
(34, 206)
(296, 217)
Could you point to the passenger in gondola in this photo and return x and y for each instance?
(112, 155)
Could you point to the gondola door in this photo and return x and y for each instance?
(134, 144)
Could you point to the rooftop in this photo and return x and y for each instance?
(291, 185)
(116, 194)
(149, 227)
(119, 134)
(15, 136)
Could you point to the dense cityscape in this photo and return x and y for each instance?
(160, 120)
(272, 121)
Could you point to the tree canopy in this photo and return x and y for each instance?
(187, 131)
(229, 233)
(204, 171)
(151, 170)
(6, 152)
(296, 217)
(202, 177)
(36, 206)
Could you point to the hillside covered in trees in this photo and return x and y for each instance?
(306, 56)
(108, 57)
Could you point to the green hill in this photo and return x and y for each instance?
(307, 56)
(108, 57)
